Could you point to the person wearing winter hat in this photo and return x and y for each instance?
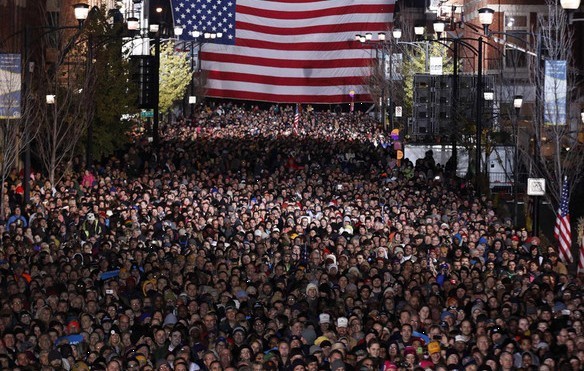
(312, 291)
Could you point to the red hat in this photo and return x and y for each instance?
(409, 350)
(73, 323)
(427, 364)
(515, 238)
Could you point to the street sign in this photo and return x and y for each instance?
(398, 111)
(536, 187)
(147, 113)
(435, 65)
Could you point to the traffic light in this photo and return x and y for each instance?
(146, 76)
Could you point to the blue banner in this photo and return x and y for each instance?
(10, 85)
(555, 92)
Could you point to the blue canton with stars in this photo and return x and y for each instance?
(206, 16)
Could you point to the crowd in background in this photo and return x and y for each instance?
(245, 241)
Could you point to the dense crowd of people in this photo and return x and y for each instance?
(245, 241)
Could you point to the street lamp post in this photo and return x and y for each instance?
(156, 113)
(419, 32)
(486, 19)
(517, 103)
(89, 144)
(154, 28)
(382, 68)
(488, 96)
(479, 117)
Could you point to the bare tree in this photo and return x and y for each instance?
(63, 120)
(555, 154)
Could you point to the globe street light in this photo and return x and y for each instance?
(133, 24)
(397, 33)
(570, 4)
(439, 27)
(486, 16)
(81, 12)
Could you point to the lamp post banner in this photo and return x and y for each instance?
(393, 70)
(10, 85)
(555, 91)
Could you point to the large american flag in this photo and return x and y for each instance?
(287, 51)
(562, 230)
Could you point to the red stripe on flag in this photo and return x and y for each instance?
(284, 98)
(302, 46)
(291, 15)
(288, 81)
(285, 63)
(562, 232)
(323, 29)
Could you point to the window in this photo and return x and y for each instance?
(52, 38)
(516, 27)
